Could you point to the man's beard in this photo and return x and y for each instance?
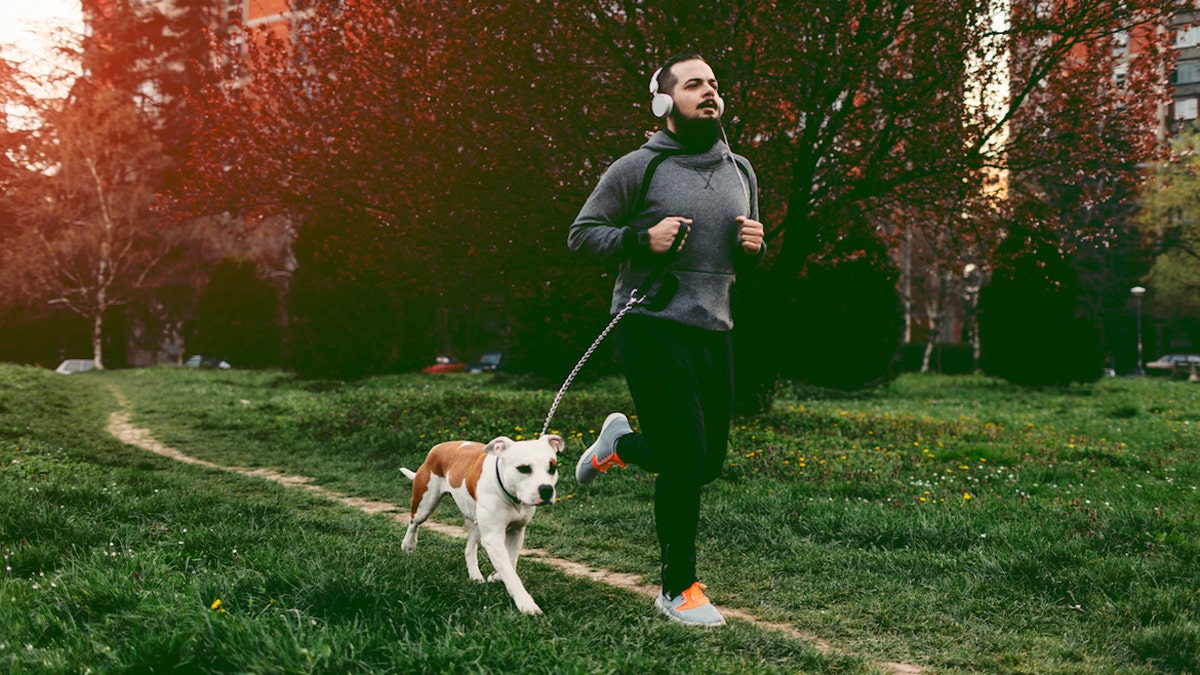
(699, 133)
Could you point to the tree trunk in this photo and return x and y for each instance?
(98, 340)
(934, 317)
(906, 293)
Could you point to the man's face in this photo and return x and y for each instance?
(695, 93)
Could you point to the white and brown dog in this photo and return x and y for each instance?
(498, 487)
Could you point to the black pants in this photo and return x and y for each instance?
(681, 380)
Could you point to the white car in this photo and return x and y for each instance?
(75, 366)
(1176, 362)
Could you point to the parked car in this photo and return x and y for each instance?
(487, 363)
(1176, 362)
(198, 361)
(445, 364)
(75, 366)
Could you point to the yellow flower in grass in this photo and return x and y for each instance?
(216, 604)
(966, 496)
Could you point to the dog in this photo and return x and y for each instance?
(497, 487)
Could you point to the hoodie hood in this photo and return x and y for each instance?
(664, 141)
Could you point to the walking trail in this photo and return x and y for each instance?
(120, 427)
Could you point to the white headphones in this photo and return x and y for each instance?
(662, 104)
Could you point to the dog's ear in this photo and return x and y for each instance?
(498, 445)
(555, 442)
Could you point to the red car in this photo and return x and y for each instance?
(446, 364)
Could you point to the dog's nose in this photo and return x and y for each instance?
(546, 492)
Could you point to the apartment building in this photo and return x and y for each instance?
(1185, 81)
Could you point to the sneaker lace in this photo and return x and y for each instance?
(693, 597)
(608, 462)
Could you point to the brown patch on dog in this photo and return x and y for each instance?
(420, 486)
(458, 462)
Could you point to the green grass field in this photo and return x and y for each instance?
(956, 524)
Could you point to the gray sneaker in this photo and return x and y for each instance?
(602, 455)
(691, 607)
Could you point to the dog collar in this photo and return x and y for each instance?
(501, 484)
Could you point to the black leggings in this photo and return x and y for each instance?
(681, 380)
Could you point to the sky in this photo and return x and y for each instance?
(25, 25)
(26, 37)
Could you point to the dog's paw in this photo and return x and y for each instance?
(493, 578)
(477, 578)
(531, 608)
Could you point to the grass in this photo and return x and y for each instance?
(957, 523)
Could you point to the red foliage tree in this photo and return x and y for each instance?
(471, 132)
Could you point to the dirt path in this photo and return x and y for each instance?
(120, 427)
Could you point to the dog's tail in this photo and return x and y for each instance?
(411, 475)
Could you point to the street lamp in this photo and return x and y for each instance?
(1138, 292)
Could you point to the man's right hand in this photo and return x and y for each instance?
(662, 235)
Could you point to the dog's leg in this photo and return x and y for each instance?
(472, 551)
(514, 541)
(493, 540)
(422, 508)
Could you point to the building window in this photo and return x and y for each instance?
(1186, 73)
(1187, 38)
(1185, 109)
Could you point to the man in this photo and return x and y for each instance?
(683, 205)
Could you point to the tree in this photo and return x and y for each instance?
(912, 114)
(157, 53)
(399, 125)
(1170, 222)
(89, 241)
(85, 172)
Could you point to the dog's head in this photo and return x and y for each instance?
(528, 469)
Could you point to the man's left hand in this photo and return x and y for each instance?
(750, 234)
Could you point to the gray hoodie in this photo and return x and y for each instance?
(705, 187)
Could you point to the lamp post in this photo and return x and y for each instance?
(1138, 292)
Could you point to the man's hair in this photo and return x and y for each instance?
(666, 78)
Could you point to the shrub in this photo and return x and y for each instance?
(838, 323)
(236, 316)
(1031, 329)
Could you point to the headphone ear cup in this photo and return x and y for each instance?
(720, 106)
(661, 105)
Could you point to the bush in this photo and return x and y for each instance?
(352, 310)
(554, 325)
(1031, 329)
(840, 318)
(236, 316)
(341, 326)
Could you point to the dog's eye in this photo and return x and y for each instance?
(525, 469)
(553, 469)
